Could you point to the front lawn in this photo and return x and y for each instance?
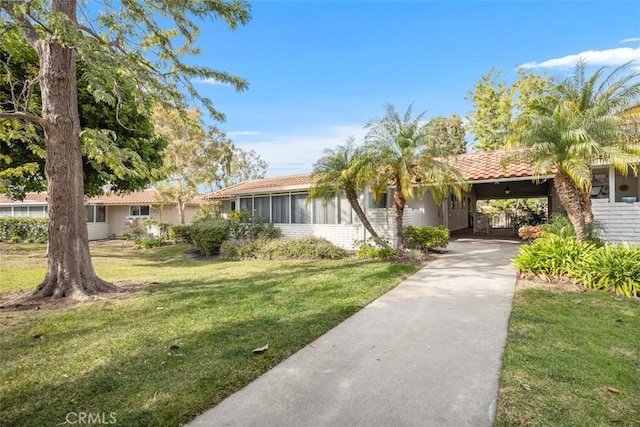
(175, 348)
(572, 359)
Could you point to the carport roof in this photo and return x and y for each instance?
(487, 166)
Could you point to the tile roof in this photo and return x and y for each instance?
(487, 165)
(28, 198)
(144, 197)
(266, 185)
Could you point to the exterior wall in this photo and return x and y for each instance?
(458, 212)
(425, 211)
(169, 213)
(117, 220)
(98, 230)
(344, 235)
(621, 221)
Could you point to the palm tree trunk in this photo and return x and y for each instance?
(352, 197)
(400, 203)
(571, 198)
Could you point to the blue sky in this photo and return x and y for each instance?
(319, 70)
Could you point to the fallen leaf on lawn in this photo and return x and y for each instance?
(261, 350)
(613, 390)
(526, 386)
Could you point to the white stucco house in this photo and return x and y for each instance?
(283, 201)
(108, 215)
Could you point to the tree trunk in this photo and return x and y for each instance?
(70, 272)
(570, 196)
(352, 197)
(181, 205)
(400, 203)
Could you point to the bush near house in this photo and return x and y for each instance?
(22, 228)
(209, 235)
(280, 249)
(425, 238)
(613, 268)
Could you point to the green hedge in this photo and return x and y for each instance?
(209, 235)
(276, 249)
(425, 238)
(23, 227)
(614, 268)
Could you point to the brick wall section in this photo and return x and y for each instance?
(621, 221)
(343, 235)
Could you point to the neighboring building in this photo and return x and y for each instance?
(108, 215)
(283, 201)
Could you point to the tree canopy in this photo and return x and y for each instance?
(131, 162)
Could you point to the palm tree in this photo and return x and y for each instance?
(581, 121)
(344, 169)
(406, 152)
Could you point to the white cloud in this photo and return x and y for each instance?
(211, 81)
(607, 57)
(292, 154)
(630, 40)
(244, 133)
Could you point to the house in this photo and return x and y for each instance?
(283, 201)
(108, 215)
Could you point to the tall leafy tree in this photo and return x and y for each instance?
(449, 133)
(198, 158)
(496, 104)
(22, 164)
(581, 120)
(345, 169)
(125, 44)
(406, 152)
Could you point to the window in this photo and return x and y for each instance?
(21, 211)
(246, 204)
(280, 209)
(324, 211)
(300, 212)
(345, 212)
(262, 208)
(37, 211)
(379, 203)
(139, 210)
(6, 211)
(89, 210)
(101, 214)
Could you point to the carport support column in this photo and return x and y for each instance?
(612, 184)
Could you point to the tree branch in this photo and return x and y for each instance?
(98, 38)
(27, 30)
(27, 117)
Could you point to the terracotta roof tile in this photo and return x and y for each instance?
(29, 198)
(487, 165)
(266, 185)
(146, 197)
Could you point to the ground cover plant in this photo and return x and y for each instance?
(177, 346)
(572, 359)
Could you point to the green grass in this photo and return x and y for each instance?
(572, 359)
(176, 348)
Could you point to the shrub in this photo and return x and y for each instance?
(235, 250)
(425, 238)
(14, 239)
(142, 243)
(277, 249)
(23, 228)
(181, 233)
(559, 225)
(125, 236)
(552, 256)
(209, 235)
(245, 227)
(369, 251)
(614, 268)
(264, 230)
(529, 232)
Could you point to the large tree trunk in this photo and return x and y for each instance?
(571, 198)
(400, 203)
(69, 270)
(181, 206)
(352, 197)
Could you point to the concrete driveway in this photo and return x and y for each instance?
(427, 353)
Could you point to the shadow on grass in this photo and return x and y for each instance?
(183, 347)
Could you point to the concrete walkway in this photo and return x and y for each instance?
(427, 353)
